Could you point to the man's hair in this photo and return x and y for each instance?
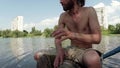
(81, 2)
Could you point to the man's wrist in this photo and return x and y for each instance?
(76, 35)
(59, 49)
(73, 35)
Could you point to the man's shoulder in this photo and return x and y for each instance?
(64, 13)
(89, 8)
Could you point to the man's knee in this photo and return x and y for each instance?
(38, 55)
(44, 60)
(91, 58)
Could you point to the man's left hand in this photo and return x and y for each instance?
(62, 33)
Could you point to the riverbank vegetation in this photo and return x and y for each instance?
(15, 34)
(112, 29)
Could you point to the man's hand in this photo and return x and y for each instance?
(63, 34)
(60, 53)
(59, 58)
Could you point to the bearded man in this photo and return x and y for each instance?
(83, 30)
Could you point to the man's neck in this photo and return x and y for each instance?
(75, 10)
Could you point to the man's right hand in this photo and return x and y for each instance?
(59, 58)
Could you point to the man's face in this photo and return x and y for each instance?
(67, 4)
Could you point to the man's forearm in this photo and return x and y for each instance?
(58, 44)
(87, 38)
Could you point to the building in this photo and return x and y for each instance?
(102, 17)
(17, 23)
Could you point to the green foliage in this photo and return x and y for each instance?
(114, 29)
(55, 27)
(111, 29)
(47, 32)
(35, 32)
(117, 29)
(25, 32)
(0, 33)
(6, 33)
(17, 33)
(105, 32)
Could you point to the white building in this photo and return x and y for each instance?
(17, 23)
(102, 16)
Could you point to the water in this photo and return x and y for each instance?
(19, 52)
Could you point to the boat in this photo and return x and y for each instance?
(70, 64)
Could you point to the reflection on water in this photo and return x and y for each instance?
(104, 44)
(17, 47)
(19, 52)
(113, 61)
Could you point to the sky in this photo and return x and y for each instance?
(45, 13)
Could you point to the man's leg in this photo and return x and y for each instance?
(92, 59)
(44, 60)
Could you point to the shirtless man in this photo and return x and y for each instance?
(82, 29)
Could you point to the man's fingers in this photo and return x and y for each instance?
(64, 38)
(60, 34)
(61, 60)
(56, 32)
(56, 62)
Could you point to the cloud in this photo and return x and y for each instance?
(46, 23)
(28, 26)
(112, 11)
(113, 7)
(115, 3)
(99, 5)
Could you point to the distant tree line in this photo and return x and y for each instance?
(112, 29)
(8, 33)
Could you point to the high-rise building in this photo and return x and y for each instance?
(102, 17)
(17, 23)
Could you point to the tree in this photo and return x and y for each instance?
(25, 32)
(47, 32)
(55, 27)
(35, 32)
(0, 33)
(6, 33)
(111, 28)
(117, 29)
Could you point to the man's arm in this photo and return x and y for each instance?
(61, 26)
(60, 51)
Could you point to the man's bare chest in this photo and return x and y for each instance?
(77, 24)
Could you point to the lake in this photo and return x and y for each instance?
(19, 52)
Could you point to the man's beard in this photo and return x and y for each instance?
(68, 6)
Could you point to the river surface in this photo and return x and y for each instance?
(19, 52)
